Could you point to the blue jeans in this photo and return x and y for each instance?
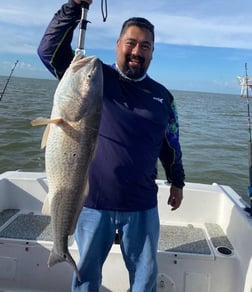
(138, 233)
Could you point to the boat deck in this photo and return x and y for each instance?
(173, 238)
(203, 246)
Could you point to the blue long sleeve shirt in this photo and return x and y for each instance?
(138, 125)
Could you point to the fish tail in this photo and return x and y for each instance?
(55, 258)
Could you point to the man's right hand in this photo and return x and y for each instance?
(87, 1)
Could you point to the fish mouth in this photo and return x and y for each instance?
(80, 60)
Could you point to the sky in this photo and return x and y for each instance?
(199, 46)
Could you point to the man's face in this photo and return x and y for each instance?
(134, 51)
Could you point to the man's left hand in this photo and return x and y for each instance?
(175, 198)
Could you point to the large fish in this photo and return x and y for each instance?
(70, 139)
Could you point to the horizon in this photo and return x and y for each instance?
(170, 89)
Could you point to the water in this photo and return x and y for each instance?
(213, 129)
(24, 100)
(214, 138)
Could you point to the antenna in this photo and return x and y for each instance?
(246, 84)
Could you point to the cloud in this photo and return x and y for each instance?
(29, 14)
(186, 22)
(195, 28)
(199, 32)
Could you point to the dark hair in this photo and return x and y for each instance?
(140, 22)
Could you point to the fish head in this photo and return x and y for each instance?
(80, 91)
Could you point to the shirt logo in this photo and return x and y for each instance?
(159, 99)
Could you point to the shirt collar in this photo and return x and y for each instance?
(126, 77)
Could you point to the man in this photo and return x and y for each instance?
(138, 126)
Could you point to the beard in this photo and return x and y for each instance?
(134, 72)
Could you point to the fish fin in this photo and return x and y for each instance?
(45, 137)
(56, 121)
(43, 122)
(39, 122)
(72, 229)
(55, 258)
(70, 239)
(46, 207)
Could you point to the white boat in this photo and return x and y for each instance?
(204, 246)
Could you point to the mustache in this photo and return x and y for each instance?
(136, 58)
